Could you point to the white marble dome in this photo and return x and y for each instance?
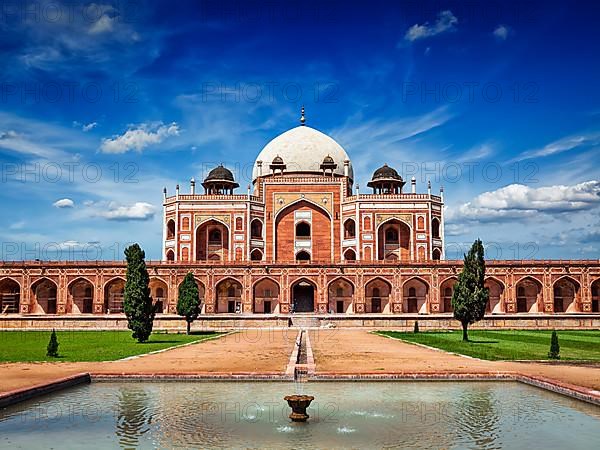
(302, 150)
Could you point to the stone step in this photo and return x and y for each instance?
(306, 321)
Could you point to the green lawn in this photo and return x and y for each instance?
(26, 346)
(510, 344)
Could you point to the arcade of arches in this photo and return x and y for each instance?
(336, 294)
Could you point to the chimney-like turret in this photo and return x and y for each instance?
(413, 185)
(192, 186)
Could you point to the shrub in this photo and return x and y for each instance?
(554, 352)
(52, 349)
(416, 329)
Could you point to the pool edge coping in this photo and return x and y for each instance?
(14, 396)
(569, 390)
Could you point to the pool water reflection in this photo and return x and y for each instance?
(485, 415)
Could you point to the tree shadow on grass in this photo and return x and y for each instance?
(472, 341)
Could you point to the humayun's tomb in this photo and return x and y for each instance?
(305, 240)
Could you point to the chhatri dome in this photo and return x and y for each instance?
(302, 149)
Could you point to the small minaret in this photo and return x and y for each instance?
(428, 187)
(248, 190)
(165, 194)
(413, 185)
(442, 192)
(357, 189)
(259, 167)
(302, 118)
(177, 192)
(346, 167)
(192, 186)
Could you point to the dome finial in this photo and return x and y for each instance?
(302, 118)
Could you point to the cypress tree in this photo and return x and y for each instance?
(137, 302)
(52, 349)
(188, 301)
(470, 296)
(416, 328)
(554, 352)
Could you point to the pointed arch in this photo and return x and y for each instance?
(256, 255)
(170, 229)
(114, 292)
(394, 237)
(446, 292)
(229, 296)
(436, 254)
(212, 237)
(290, 231)
(378, 292)
(256, 229)
(170, 254)
(301, 200)
(81, 295)
(159, 291)
(349, 254)
(10, 296)
(303, 293)
(349, 228)
(415, 295)
(44, 291)
(303, 230)
(566, 293)
(529, 294)
(265, 296)
(303, 256)
(496, 289)
(340, 295)
(435, 228)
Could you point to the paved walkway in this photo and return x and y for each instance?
(248, 351)
(357, 351)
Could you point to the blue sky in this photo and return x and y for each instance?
(102, 104)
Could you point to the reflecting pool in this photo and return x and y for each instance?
(478, 415)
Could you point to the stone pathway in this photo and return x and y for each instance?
(355, 351)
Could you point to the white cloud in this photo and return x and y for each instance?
(64, 203)
(562, 145)
(446, 21)
(89, 126)
(519, 201)
(368, 140)
(85, 127)
(102, 25)
(478, 152)
(501, 32)
(455, 229)
(17, 225)
(136, 211)
(139, 138)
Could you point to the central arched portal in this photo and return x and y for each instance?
(303, 297)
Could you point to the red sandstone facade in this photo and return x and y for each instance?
(305, 240)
